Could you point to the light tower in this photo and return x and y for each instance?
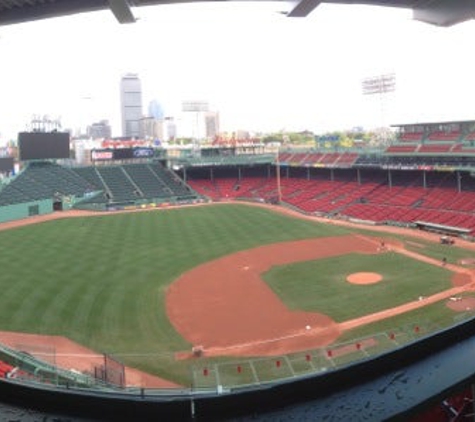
(198, 108)
(380, 85)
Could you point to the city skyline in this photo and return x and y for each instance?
(261, 70)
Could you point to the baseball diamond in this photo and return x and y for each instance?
(211, 296)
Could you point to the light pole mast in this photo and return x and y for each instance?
(381, 85)
(277, 173)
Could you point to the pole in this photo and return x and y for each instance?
(277, 172)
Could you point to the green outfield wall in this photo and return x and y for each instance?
(27, 209)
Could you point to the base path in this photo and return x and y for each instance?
(225, 307)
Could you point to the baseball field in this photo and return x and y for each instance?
(233, 279)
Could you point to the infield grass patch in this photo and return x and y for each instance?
(321, 286)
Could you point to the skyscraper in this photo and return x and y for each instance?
(211, 124)
(155, 110)
(131, 104)
(99, 130)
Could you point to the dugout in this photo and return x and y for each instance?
(441, 229)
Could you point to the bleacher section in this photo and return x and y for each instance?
(118, 185)
(147, 181)
(100, 185)
(91, 175)
(43, 181)
(174, 183)
(128, 183)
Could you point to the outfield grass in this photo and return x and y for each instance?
(101, 281)
(321, 286)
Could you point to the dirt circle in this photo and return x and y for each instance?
(461, 304)
(364, 278)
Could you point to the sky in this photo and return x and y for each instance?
(261, 70)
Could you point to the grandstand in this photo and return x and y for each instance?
(375, 195)
(424, 179)
(425, 176)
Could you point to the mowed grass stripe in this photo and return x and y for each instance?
(321, 286)
(102, 280)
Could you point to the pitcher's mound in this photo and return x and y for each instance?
(364, 278)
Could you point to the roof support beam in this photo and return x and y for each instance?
(121, 10)
(303, 8)
(446, 12)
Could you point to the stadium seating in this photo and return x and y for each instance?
(405, 200)
(5, 369)
(172, 183)
(11, 195)
(91, 175)
(43, 180)
(376, 195)
(397, 148)
(444, 136)
(312, 158)
(435, 148)
(116, 182)
(284, 157)
(470, 136)
(346, 159)
(411, 136)
(147, 181)
(463, 149)
(205, 188)
(63, 179)
(330, 158)
(227, 187)
(457, 407)
(131, 182)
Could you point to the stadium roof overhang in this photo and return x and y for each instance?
(446, 122)
(437, 12)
